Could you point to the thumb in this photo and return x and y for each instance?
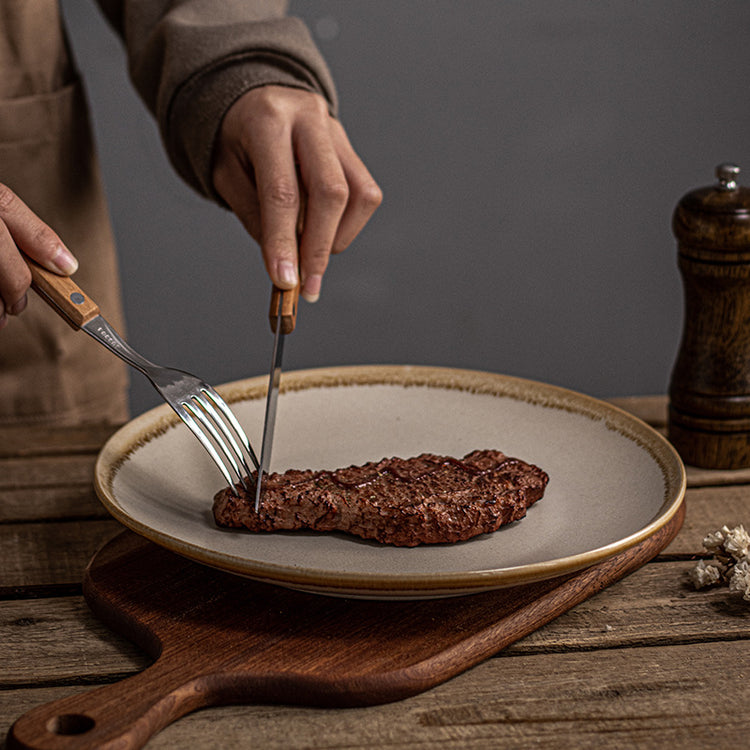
(32, 236)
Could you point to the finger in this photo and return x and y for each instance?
(254, 172)
(327, 194)
(15, 277)
(278, 201)
(16, 309)
(33, 236)
(233, 180)
(3, 314)
(365, 196)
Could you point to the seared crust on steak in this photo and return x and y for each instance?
(428, 499)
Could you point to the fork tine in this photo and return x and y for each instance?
(220, 425)
(186, 416)
(220, 404)
(198, 410)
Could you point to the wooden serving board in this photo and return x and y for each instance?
(220, 639)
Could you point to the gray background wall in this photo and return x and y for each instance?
(531, 154)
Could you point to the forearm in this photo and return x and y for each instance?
(244, 102)
(190, 60)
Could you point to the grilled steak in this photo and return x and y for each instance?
(428, 499)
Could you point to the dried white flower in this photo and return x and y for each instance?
(714, 542)
(705, 574)
(740, 579)
(737, 543)
(731, 561)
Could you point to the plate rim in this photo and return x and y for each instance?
(154, 422)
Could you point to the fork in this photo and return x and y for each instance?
(196, 403)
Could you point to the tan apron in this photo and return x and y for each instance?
(49, 373)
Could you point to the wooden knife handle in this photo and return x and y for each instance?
(63, 295)
(286, 300)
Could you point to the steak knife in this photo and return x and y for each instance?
(283, 318)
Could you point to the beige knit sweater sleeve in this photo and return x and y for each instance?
(191, 59)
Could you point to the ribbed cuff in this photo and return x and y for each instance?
(199, 106)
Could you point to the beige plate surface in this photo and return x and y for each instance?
(613, 480)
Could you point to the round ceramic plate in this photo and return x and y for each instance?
(613, 480)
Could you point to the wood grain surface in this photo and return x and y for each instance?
(218, 639)
(648, 662)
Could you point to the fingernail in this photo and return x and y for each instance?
(311, 289)
(288, 273)
(19, 306)
(65, 262)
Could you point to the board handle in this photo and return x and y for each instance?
(125, 714)
(63, 295)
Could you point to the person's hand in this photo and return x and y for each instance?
(21, 228)
(274, 143)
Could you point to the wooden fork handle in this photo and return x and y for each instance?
(63, 295)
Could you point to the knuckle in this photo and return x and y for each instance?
(282, 194)
(334, 193)
(319, 106)
(339, 246)
(44, 241)
(314, 257)
(267, 101)
(7, 197)
(279, 248)
(16, 285)
(370, 197)
(316, 263)
(319, 257)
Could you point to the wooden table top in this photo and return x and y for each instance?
(648, 662)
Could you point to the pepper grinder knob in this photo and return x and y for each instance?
(727, 175)
(709, 391)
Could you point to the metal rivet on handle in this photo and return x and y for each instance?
(77, 298)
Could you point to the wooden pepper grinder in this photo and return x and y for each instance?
(709, 409)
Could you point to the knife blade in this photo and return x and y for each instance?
(283, 318)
